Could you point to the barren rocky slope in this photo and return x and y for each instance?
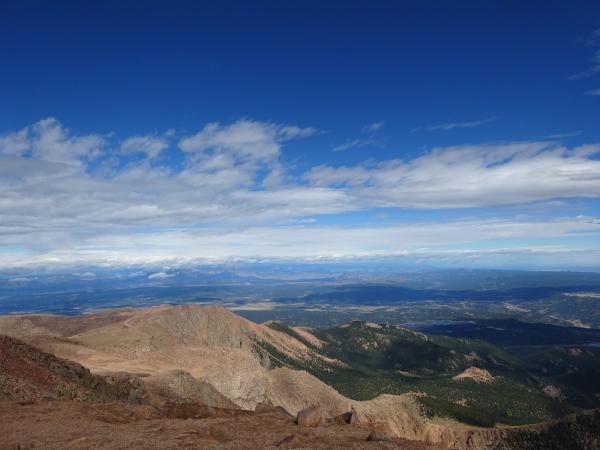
(28, 374)
(186, 359)
(205, 342)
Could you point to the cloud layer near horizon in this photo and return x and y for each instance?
(225, 191)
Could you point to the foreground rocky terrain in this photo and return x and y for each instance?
(68, 425)
(202, 377)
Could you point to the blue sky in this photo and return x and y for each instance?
(462, 133)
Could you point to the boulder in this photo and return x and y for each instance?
(310, 417)
(379, 436)
(345, 418)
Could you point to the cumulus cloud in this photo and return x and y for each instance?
(49, 202)
(244, 140)
(56, 205)
(149, 145)
(48, 140)
(233, 154)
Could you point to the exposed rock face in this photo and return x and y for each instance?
(476, 374)
(310, 417)
(353, 417)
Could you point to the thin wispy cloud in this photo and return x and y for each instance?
(371, 129)
(594, 62)
(591, 40)
(560, 135)
(454, 125)
(375, 126)
(589, 73)
(593, 92)
(353, 143)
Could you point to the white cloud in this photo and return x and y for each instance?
(287, 132)
(14, 143)
(425, 240)
(150, 145)
(244, 140)
(594, 92)
(48, 140)
(470, 176)
(455, 125)
(234, 154)
(55, 206)
(159, 276)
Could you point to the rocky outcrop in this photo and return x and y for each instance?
(347, 418)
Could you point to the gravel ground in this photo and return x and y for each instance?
(72, 425)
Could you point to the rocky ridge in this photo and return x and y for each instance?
(198, 362)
